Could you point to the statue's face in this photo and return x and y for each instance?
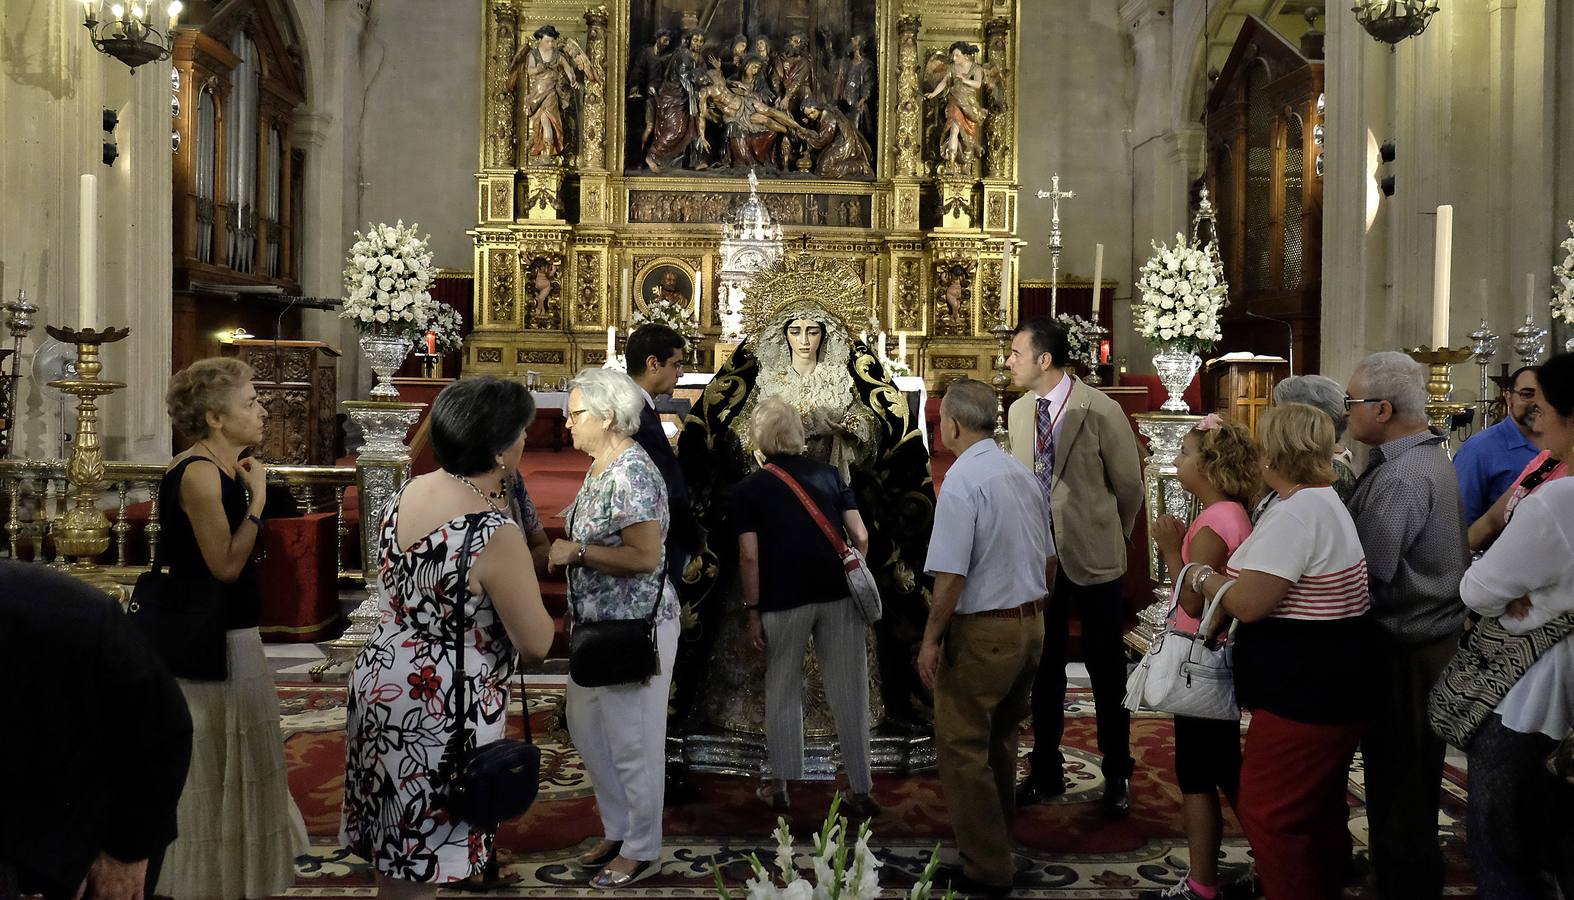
(669, 282)
(795, 42)
(958, 57)
(762, 46)
(697, 43)
(751, 70)
(663, 41)
(803, 338)
(740, 47)
(546, 43)
(813, 112)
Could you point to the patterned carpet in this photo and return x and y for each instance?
(1067, 848)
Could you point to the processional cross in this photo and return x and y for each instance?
(1054, 196)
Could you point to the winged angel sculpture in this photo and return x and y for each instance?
(971, 91)
(550, 85)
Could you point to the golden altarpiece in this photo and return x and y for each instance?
(617, 141)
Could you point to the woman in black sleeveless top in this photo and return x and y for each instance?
(239, 829)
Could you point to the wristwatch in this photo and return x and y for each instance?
(579, 558)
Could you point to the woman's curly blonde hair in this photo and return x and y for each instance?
(207, 385)
(1228, 457)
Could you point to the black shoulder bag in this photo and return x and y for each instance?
(182, 617)
(614, 651)
(497, 781)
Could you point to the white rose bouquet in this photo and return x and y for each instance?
(672, 315)
(841, 871)
(1082, 333)
(1563, 282)
(446, 324)
(1182, 292)
(387, 277)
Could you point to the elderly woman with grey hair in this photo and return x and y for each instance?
(794, 588)
(1326, 395)
(615, 559)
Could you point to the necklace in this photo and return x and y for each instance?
(215, 457)
(488, 496)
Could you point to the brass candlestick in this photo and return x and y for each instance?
(82, 535)
(1440, 408)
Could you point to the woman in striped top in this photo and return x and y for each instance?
(1298, 585)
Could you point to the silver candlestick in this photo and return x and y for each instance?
(1483, 344)
(1054, 195)
(19, 321)
(1096, 335)
(1530, 342)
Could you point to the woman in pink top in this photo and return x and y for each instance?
(1218, 464)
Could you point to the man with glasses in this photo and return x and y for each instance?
(1407, 511)
(1489, 462)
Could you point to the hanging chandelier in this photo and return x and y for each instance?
(1391, 21)
(129, 33)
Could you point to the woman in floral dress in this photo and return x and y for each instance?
(401, 707)
(616, 557)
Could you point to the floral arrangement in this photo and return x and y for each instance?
(841, 872)
(446, 324)
(672, 315)
(1563, 282)
(896, 368)
(1182, 292)
(387, 277)
(1083, 335)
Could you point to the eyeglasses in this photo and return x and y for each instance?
(574, 414)
(1526, 393)
(1350, 402)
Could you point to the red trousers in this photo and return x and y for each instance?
(1294, 784)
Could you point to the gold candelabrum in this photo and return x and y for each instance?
(83, 533)
(1440, 408)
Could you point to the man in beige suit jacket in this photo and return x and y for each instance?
(1079, 444)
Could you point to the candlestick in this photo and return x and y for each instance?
(1530, 341)
(1440, 408)
(1098, 279)
(1483, 343)
(87, 254)
(1442, 272)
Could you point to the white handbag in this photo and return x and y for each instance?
(1181, 674)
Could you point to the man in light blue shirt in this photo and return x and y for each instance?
(1489, 462)
(993, 559)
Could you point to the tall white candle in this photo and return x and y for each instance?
(1442, 272)
(1098, 279)
(628, 292)
(612, 341)
(881, 341)
(699, 292)
(890, 300)
(87, 255)
(901, 346)
(1530, 294)
(1005, 278)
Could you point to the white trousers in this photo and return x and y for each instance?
(621, 734)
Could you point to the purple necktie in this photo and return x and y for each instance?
(1044, 456)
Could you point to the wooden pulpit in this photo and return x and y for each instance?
(1240, 385)
(297, 383)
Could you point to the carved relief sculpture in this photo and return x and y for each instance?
(677, 104)
(500, 107)
(999, 142)
(550, 86)
(960, 79)
(855, 80)
(644, 77)
(953, 294)
(587, 309)
(843, 151)
(592, 144)
(500, 277)
(543, 293)
(909, 110)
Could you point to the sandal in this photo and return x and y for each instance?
(773, 794)
(598, 856)
(610, 879)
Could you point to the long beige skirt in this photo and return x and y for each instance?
(240, 830)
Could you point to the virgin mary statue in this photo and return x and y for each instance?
(798, 347)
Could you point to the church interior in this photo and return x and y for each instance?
(369, 200)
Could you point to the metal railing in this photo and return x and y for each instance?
(33, 501)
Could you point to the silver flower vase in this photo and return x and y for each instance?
(1176, 368)
(386, 352)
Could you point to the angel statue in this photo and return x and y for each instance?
(550, 84)
(797, 347)
(970, 88)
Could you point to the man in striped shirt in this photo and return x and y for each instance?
(1407, 510)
